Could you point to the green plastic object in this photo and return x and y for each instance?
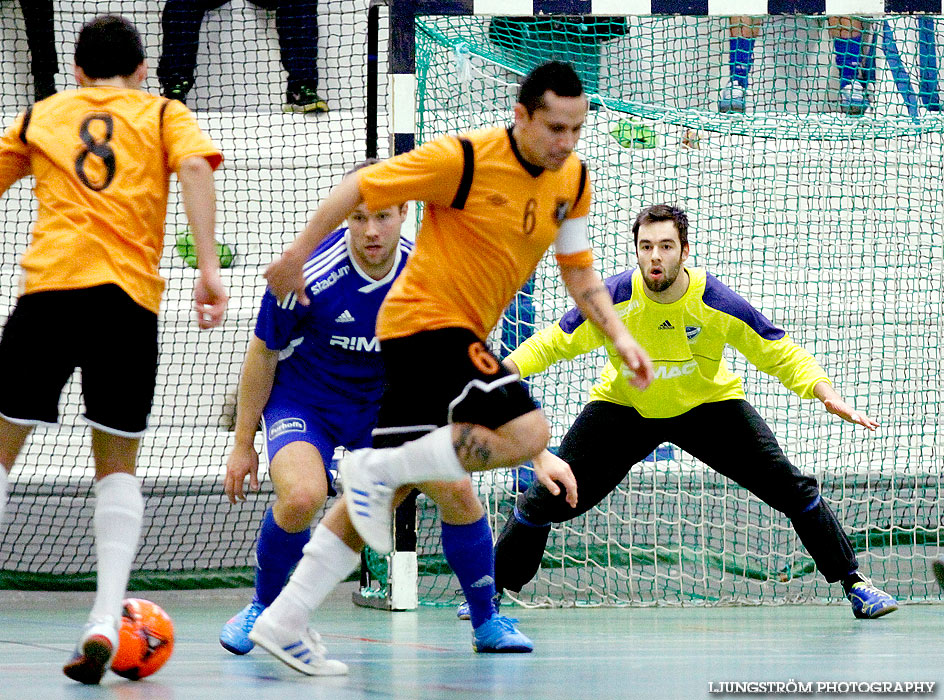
(187, 250)
(632, 134)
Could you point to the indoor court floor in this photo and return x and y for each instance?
(599, 653)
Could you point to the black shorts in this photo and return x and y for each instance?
(100, 330)
(444, 376)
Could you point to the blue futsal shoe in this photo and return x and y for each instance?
(733, 98)
(463, 612)
(853, 99)
(234, 637)
(868, 602)
(499, 635)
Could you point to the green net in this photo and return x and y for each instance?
(826, 219)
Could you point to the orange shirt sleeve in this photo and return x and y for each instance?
(184, 139)
(430, 173)
(582, 259)
(14, 155)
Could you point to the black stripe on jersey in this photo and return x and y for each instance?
(583, 182)
(468, 170)
(163, 109)
(160, 123)
(530, 168)
(26, 121)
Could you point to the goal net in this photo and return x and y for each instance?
(827, 222)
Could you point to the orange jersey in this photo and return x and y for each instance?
(489, 218)
(102, 158)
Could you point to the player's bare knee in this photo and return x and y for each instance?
(301, 502)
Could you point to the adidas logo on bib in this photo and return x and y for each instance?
(666, 325)
(345, 317)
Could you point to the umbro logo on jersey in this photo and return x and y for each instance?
(345, 317)
(666, 325)
(497, 199)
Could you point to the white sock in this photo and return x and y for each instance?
(119, 510)
(325, 562)
(4, 490)
(430, 458)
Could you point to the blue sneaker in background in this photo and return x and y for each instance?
(663, 453)
(234, 636)
(853, 99)
(733, 98)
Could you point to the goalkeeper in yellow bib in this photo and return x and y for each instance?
(496, 200)
(684, 317)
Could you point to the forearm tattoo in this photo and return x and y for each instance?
(472, 447)
(592, 306)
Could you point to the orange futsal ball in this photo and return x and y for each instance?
(145, 639)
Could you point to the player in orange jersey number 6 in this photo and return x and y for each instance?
(496, 199)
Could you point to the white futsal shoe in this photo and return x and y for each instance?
(92, 656)
(368, 495)
(304, 652)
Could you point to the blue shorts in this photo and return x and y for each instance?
(325, 428)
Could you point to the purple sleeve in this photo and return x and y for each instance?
(620, 288)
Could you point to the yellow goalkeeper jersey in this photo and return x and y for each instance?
(685, 340)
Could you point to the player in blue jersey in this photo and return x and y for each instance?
(313, 375)
(684, 318)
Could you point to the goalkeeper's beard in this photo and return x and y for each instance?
(668, 279)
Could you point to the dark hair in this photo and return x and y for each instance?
(556, 76)
(363, 164)
(109, 46)
(662, 212)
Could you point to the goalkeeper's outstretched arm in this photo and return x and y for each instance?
(835, 405)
